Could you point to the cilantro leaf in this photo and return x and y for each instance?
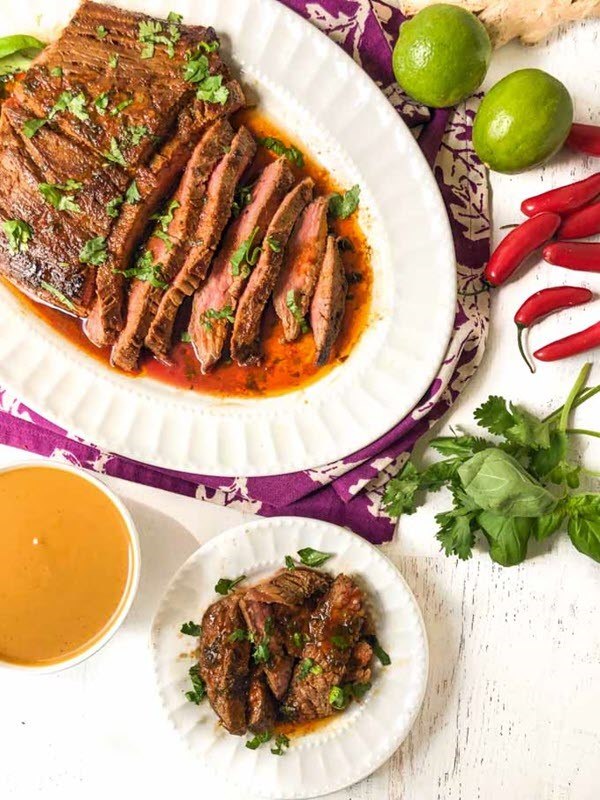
(18, 232)
(276, 146)
(32, 126)
(494, 415)
(191, 628)
(114, 154)
(238, 635)
(245, 257)
(67, 101)
(54, 194)
(211, 315)
(225, 585)
(456, 533)
(289, 563)
(132, 195)
(527, 429)
(460, 446)
(341, 206)
(281, 744)
(293, 305)
(146, 270)
(260, 738)
(400, 492)
(198, 692)
(94, 251)
(62, 298)
(113, 206)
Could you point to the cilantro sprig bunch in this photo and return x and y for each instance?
(517, 487)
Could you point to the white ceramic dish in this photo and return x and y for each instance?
(132, 582)
(307, 84)
(356, 742)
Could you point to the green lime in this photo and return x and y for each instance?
(442, 55)
(522, 121)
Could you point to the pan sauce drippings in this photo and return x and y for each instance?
(285, 366)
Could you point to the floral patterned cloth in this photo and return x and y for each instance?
(348, 492)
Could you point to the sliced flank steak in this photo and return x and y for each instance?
(224, 662)
(262, 708)
(154, 183)
(215, 303)
(334, 630)
(168, 243)
(300, 271)
(245, 339)
(213, 219)
(329, 302)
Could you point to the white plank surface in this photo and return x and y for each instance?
(513, 705)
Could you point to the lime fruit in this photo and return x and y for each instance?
(442, 55)
(522, 121)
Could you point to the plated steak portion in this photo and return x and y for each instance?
(288, 588)
(224, 664)
(335, 627)
(301, 267)
(245, 344)
(170, 241)
(213, 219)
(215, 303)
(329, 302)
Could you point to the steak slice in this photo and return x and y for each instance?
(301, 267)
(329, 302)
(140, 92)
(245, 346)
(154, 184)
(214, 217)
(339, 617)
(262, 708)
(359, 665)
(260, 604)
(45, 263)
(224, 664)
(168, 244)
(225, 283)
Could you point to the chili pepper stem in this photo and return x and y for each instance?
(520, 330)
(577, 387)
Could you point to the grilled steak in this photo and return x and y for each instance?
(301, 267)
(214, 216)
(163, 171)
(168, 244)
(260, 604)
(262, 708)
(245, 345)
(329, 302)
(224, 664)
(218, 298)
(335, 627)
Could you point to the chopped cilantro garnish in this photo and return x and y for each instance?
(212, 315)
(238, 635)
(113, 206)
(121, 106)
(225, 585)
(260, 738)
(342, 206)
(132, 195)
(101, 103)
(274, 244)
(279, 148)
(210, 88)
(191, 628)
(94, 251)
(32, 126)
(135, 133)
(145, 269)
(56, 72)
(18, 234)
(198, 692)
(58, 294)
(101, 32)
(114, 155)
(290, 563)
(293, 306)
(54, 194)
(308, 667)
(67, 101)
(245, 257)
(281, 744)
(113, 60)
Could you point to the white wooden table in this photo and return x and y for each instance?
(513, 703)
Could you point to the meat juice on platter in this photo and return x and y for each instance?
(181, 236)
(285, 655)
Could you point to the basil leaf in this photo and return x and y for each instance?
(507, 537)
(225, 585)
(496, 482)
(544, 526)
(545, 460)
(584, 523)
(313, 558)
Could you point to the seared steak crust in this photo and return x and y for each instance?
(301, 267)
(186, 205)
(245, 344)
(262, 708)
(225, 283)
(214, 217)
(339, 617)
(224, 664)
(329, 302)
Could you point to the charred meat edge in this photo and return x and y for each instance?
(329, 302)
(214, 216)
(245, 344)
(224, 664)
(223, 288)
(143, 297)
(341, 612)
(106, 320)
(301, 267)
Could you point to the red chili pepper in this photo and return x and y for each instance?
(544, 302)
(581, 223)
(584, 256)
(585, 138)
(517, 245)
(571, 345)
(565, 198)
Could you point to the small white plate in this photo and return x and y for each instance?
(307, 84)
(354, 743)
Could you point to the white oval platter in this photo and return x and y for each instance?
(357, 741)
(330, 107)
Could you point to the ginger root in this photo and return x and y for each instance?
(530, 20)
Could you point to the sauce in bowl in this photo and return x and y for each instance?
(68, 565)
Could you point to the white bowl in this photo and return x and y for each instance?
(133, 577)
